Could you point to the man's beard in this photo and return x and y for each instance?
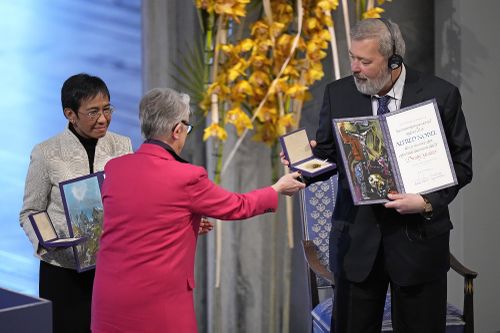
(372, 86)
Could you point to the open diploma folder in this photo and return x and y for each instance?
(403, 151)
(46, 233)
(83, 207)
(298, 152)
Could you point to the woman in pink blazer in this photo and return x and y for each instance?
(153, 204)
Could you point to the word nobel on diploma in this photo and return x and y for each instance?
(399, 152)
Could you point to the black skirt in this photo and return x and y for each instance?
(71, 295)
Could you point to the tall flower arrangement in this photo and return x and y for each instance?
(257, 74)
(264, 66)
(257, 80)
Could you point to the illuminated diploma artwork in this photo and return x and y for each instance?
(399, 152)
(84, 212)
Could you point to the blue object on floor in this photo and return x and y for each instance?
(22, 313)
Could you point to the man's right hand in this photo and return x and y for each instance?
(283, 159)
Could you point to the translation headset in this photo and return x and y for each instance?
(395, 60)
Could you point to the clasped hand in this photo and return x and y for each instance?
(205, 226)
(406, 203)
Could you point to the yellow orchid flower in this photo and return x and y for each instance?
(215, 131)
(324, 17)
(284, 44)
(373, 13)
(321, 38)
(267, 113)
(296, 91)
(277, 28)
(219, 88)
(280, 86)
(259, 79)
(292, 69)
(241, 90)
(235, 51)
(315, 52)
(324, 35)
(328, 4)
(239, 119)
(282, 12)
(246, 45)
(314, 73)
(208, 5)
(284, 123)
(237, 70)
(232, 8)
(266, 133)
(259, 29)
(205, 104)
(312, 23)
(260, 82)
(258, 61)
(263, 45)
(227, 48)
(302, 44)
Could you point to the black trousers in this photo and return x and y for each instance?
(359, 307)
(71, 295)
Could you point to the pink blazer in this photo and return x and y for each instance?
(153, 203)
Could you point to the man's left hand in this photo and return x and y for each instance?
(407, 203)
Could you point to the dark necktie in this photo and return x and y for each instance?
(383, 104)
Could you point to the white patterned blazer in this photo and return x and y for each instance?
(57, 159)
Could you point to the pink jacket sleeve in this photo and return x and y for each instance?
(210, 200)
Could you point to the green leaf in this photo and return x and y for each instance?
(189, 74)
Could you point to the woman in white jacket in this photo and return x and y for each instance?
(84, 147)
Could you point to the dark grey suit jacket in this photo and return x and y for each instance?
(415, 250)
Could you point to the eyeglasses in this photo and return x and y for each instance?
(189, 126)
(96, 114)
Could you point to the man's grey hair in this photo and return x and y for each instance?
(376, 29)
(160, 110)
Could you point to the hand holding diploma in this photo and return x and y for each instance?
(406, 203)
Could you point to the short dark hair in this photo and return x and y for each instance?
(81, 87)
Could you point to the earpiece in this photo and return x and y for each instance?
(395, 60)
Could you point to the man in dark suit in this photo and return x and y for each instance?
(404, 243)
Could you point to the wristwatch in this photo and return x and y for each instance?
(427, 213)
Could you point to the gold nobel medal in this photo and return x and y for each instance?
(314, 165)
